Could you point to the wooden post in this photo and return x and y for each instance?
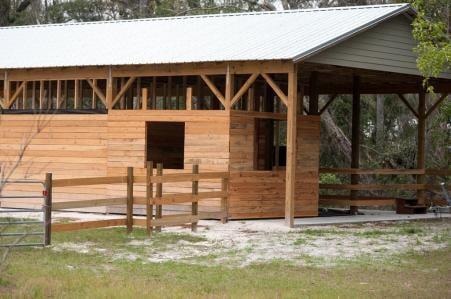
(93, 96)
(158, 195)
(109, 90)
(154, 93)
(77, 94)
(225, 199)
(355, 142)
(48, 210)
(250, 99)
(149, 196)
(195, 204)
(138, 93)
(58, 94)
(49, 95)
(290, 186)
(6, 88)
(24, 95)
(189, 98)
(144, 98)
(33, 96)
(277, 138)
(229, 89)
(41, 94)
(129, 199)
(421, 157)
(313, 94)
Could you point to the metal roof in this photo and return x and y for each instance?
(286, 35)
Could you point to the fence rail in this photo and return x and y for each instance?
(153, 181)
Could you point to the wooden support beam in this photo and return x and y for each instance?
(189, 98)
(290, 186)
(6, 90)
(25, 95)
(15, 96)
(213, 89)
(96, 89)
(404, 100)
(194, 192)
(77, 94)
(251, 99)
(145, 95)
(58, 94)
(229, 89)
(129, 199)
(109, 90)
(33, 95)
(313, 94)
(41, 94)
(149, 197)
(93, 95)
(421, 142)
(244, 88)
(436, 104)
(123, 90)
(154, 93)
(276, 88)
(355, 138)
(331, 99)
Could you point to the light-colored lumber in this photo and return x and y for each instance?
(189, 98)
(387, 171)
(64, 227)
(96, 89)
(244, 88)
(213, 88)
(89, 181)
(123, 90)
(276, 88)
(76, 204)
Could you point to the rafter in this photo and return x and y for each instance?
(97, 90)
(436, 104)
(213, 88)
(244, 88)
(276, 88)
(401, 96)
(123, 90)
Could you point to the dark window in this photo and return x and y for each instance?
(165, 143)
(267, 154)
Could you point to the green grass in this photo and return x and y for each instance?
(42, 273)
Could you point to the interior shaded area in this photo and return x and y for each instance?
(165, 143)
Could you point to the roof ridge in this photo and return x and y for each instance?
(220, 15)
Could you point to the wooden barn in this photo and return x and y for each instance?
(91, 99)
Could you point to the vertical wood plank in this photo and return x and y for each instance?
(58, 94)
(195, 191)
(77, 94)
(158, 195)
(229, 89)
(149, 196)
(144, 98)
(154, 93)
(138, 93)
(109, 90)
(93, 95)
(33, 96)
(129, 199)
(291, 147)
(250, 99)
(41, 94)
(313, 94)
(6, 88)
(25, 95)
(189, 98)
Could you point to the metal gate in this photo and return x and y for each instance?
(11, 232)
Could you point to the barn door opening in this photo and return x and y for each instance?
(165, 143)
(269, 149)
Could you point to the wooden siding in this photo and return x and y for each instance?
(261, 194)
(386, 47)
(66, 145)
(206, 144)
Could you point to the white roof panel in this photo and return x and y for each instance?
(226, 37)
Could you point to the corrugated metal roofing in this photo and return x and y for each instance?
(228, 37)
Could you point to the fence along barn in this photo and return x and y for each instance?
(211, 90)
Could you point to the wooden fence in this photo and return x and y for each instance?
(346, 200)
(154, 199)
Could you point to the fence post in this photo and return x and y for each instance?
(195, 204)
(129, 199)
(158, 195)
(48, 210)
(149, 196)
(225, 199)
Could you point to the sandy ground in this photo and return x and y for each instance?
(241, 243)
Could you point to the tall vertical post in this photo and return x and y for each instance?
(225, 199)
(229, 89)
(149, 196)
(355, 139)
(6, 88)
(41, 94)
(93, 95)
(195, 204)
(291, 147)
(48, 210)
(129, 199)
(25, 95)
(154, 93)
(77, 94)
(313, 94)
(421, 157)
(158, 195)
(33, 95)
(58, 94)
(109, 90)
